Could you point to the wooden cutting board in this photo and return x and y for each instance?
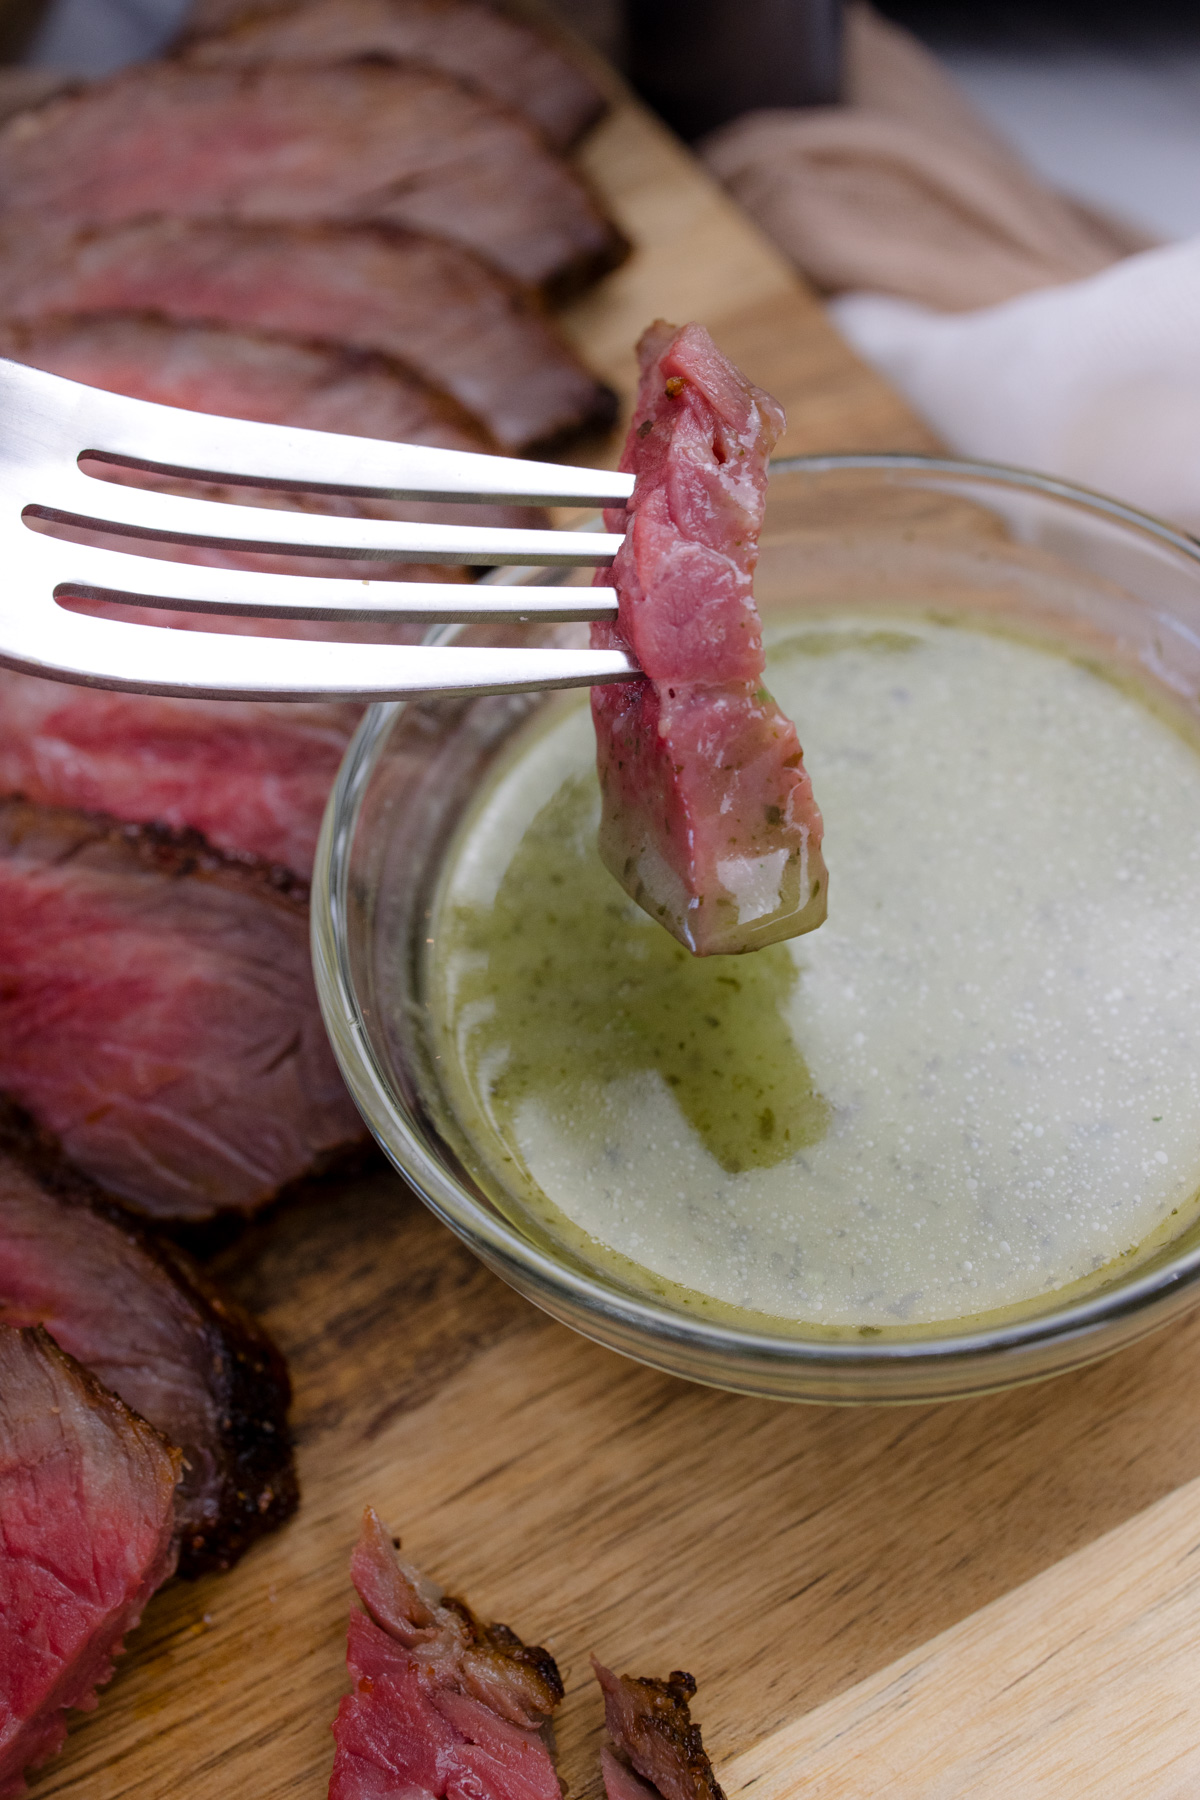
(991, 1598)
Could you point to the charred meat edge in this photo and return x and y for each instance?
(249, 1377)
(653, 1732)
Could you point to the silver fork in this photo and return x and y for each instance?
(48, 425)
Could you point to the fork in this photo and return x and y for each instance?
(49, 425)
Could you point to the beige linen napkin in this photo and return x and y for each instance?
(905, 189)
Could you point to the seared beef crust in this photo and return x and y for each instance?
(650, 1723)
(142, 1316)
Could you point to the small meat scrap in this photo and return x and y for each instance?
(709, 820)
(657, 1752)
(140, 1316)
(86, 1536)
(443, 1705)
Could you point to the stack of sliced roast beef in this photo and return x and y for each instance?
(347, 214)
(353, 215)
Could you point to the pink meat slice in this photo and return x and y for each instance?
(477, 44)
(353, 143)
(141, 1316)
(253, 777)
(621, 1782)
(657, 1752)
(86, 1536)
(443, 1705)
(709, 820)
(429, 304)
(157, 1013)
(243, 374)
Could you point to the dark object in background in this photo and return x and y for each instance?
(700, 63)
(19, 19)
(1047, 27)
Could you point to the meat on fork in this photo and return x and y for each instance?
(353, 143)
(657, 1752)
(87, 1533)
(709, 820)
(476, 43)
(139, 1314)
(443, 1705)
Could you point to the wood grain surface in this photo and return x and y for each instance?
(1081, 1683)
(820, 1571)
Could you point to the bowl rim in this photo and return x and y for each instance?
(500, 1243)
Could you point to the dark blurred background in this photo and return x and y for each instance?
(1101, 96)
(1050, 24)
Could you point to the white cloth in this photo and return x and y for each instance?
(1097, 380)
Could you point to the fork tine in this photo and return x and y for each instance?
(150, 660)
(85, 572)
(67, 497)
(142, 435)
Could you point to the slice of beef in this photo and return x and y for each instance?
(157, 1013)
(427, 303)
(141, 1316)
(356, 143)
(443, 1705)
(244, 375)
(709, 820)
(487, 50)
(657, 1749)
(240, 374)
(210, 369)
(86, 1536)
(252, 776)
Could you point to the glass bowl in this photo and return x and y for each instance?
(875, 532)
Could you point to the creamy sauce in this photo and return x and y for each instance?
(978, 1082)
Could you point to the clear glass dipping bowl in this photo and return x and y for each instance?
(886, 533)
